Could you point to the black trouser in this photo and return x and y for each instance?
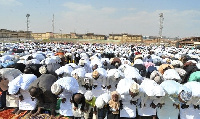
(102, 113)
(3, 99)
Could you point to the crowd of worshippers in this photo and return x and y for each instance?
(100, 81)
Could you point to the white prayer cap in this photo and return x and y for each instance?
(56, 88)
(157, 77)
(176, 63)
(134, 88)
(43, 69)
(138, 61)
(81, 62)
(181, 71)
(88, 95)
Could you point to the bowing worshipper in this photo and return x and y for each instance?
(64, 88)
(60, 53)
(148, 58)
(162, 68)
(150, 69)
(113, 77)
(123, 67)
(148, 64)
(33, 69)
(130, 93)
(88, 81)
(99, 77)
(157, 77)
(125, 61)
(94, 67)
(6, 76)
(195, 76)
(85, 63)
(189, 67)
(190, 107)
(151, 93)
(138, 56)
(68, 57)
(95, 62)
(40, 89)
(19, 87)
(139, 64)
(79, 75)
(51, 66)
(114, 106)
(168, 107)
(172, 74)
(19, 66)
(76, 58)
(64, 71)
(101, 103)
(78, 104)
(134, 75)
(185, 58)
(116, 62)
(178, 66)
(90, 105)
(106, 64)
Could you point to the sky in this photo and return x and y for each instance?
(137, 17)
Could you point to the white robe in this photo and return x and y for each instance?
(27, 103)
(168, 111)
(66, 108)
(128, 109)
(70, 86)
(189, 113)
(147, 110)
(123, 89)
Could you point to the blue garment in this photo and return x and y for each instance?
(7, 64)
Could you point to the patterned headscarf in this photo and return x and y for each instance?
(114, 105)
(185, 95)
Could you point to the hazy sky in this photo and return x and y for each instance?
(139, 17)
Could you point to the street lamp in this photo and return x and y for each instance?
(61, 33)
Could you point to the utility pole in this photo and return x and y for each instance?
(161, 26)
(27, 23)
(53, 25)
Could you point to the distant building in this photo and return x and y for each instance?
(94, 36)
(42, 36)
(4, 33)
(126, 37)
(191, 41)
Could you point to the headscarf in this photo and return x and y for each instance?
(164, 67)
(185, 95)
(114, 105)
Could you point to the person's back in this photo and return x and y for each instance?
(41, 90)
